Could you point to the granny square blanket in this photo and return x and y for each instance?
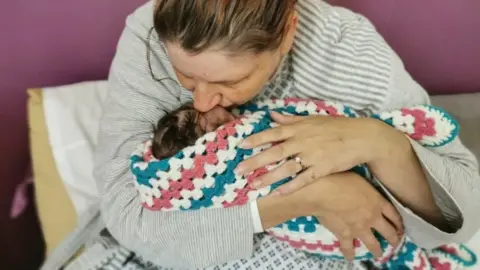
(202, 176)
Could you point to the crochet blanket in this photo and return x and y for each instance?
(202, 176)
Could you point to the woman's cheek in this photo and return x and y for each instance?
(236, 97)
(185, 82)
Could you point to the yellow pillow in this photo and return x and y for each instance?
(55, 209)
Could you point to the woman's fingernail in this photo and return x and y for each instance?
(256, 184)
(240, 170)
(275, 193)
(243, 144)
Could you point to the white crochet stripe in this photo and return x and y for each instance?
(321, 235)
(301, 106)
(240, 183)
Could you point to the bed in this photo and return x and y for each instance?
(55, 43)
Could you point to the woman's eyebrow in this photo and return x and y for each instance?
(222, 81)
(233, 81)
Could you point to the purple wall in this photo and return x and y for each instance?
(439, 41)
(44, 42)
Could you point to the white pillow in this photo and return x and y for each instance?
(72, 115)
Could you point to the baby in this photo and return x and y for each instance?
(195, 162)
(177, 130)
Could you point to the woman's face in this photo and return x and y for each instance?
(218, 78)
(225, 79)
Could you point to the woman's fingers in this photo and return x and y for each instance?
(269, 156)
(347, 248)
(283, 119)
(275, 134)
(286, 130)
(371, 242)
(342, 232)
(303, 179)
(393, 216)
(287, 169)
(387, 230)
(308, 176)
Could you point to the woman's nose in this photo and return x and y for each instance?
(205, 97)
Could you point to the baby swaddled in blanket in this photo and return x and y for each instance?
(184, 168)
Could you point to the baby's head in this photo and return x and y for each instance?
(176, 131)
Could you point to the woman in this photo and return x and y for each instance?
(225, 53)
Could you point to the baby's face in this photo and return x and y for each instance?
(183, 126)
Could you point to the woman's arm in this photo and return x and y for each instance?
(354, 65)
(449, 172)
(400, 169)
(135, 103)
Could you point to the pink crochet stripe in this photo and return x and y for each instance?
(449, 250)
(437, 265)
(293, 101)
(424, 126)
(335, 247)
(319, 245)
(198, 170)
(242, 194)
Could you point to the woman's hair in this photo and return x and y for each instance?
(232, 25)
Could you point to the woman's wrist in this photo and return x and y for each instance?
(274, 210)
(384, 142)
(397, 166)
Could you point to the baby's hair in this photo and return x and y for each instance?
(175, 131)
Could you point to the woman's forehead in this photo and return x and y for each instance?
(212, 66)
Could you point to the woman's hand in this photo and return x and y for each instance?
(351, 208)
(325, 144)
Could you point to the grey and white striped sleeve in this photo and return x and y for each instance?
(135, 103)
(451, 170)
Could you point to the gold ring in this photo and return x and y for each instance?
(299, 160)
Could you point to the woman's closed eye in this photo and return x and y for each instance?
(183, 75)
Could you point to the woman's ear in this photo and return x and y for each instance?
(290, 31)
